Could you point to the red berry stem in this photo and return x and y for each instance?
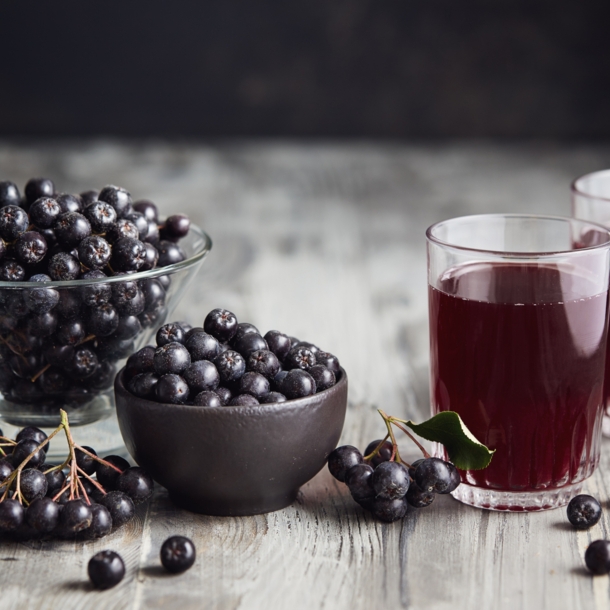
(421, 448)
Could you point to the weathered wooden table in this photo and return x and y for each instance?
(325, 242)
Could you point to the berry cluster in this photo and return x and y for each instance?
(383, 483)
(65, 500)
(106, 569)
(60, 345)
(227, 363)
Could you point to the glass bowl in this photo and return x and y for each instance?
(60, 346)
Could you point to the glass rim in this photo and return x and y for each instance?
(516, 254)
(128, 277)
(582, 193)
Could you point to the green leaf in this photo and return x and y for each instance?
(447, 428)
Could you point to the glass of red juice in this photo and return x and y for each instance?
(518, 325)
(591, 201)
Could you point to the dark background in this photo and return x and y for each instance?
(327, 68)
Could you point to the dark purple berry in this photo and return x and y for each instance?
(121, 507)
(359, 481)
(39, 187)
(273, 397)
(172, 389)
(141, 361)
(418, 498)
(154, 294)
(297, 384)
(101, 522)
(300, 358)
(118, 198)
(278, 343)
(249, 343)
(329, 361)
(207, 399)
(177, 554)
(151, 256)
(63, 267)
(13, 221)
(84, 362)
(244, 328)
(11, 271)
(89, 197)
(170, 254)
(136, 483)
(101, 216)
(70, 332)
(224, 394)
(243, 400)
(384, 454)
(171, 358)
(122, 228)
(597, 556)
(44, 212)
(75, 516)
(434, 475)
(9, 194)
(323, 377)
(389, 510)
(176, 227)
(106, 570)
(128, 254)
(144, 385)
(584, 511)
(201, 375)
(148, 209)
(128, 298)
(342, 459)
(391, 480)
(102, 320)
(221, 324)
(24, 448)
(68, 202)
(139, 221)
(264, 362)
(201, 345)
(42, 515)
(11, 515)
(254, 384)
(71, 228)
(34, 434)
(170, 333)
(94, 252)
(230, 365)
(33, 484)
(107, 476)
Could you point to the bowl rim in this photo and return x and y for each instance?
(259, 409)
(205, 248)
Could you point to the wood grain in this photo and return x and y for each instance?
(325, 242)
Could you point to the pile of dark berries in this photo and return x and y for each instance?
(385, 486)
(227, 363)
(59, 346)
(85, 497)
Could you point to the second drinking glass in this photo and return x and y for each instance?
(518, 326)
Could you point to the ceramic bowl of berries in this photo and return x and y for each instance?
(229, 421)
(85, 280)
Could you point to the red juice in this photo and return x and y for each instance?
(519, 353)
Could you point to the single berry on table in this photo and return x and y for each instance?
(597, 556)
(342, 459)
(178, 554)
(106, 569)
(584, 511)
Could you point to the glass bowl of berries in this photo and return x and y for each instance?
(85, 280)
(244, 419)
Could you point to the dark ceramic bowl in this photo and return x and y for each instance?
(232, 460)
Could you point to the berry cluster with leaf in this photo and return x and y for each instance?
(383, 483)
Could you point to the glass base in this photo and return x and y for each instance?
(103, 435)
(513, 501)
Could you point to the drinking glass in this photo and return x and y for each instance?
(591, 201)
(518, 324)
